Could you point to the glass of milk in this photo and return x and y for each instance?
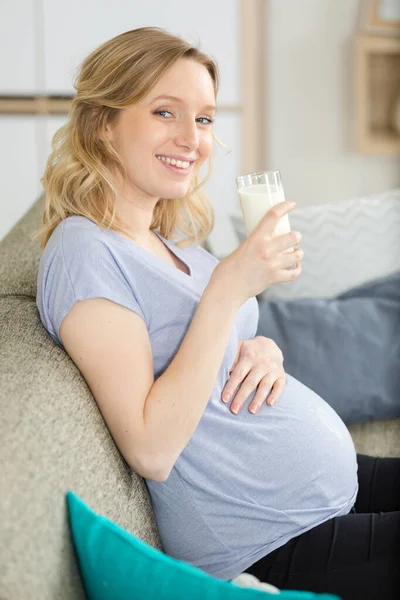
(258, 192)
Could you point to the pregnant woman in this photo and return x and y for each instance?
(164, 335)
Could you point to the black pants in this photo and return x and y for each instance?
(356, 556)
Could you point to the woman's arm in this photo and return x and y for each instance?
(177, 400)
(151, 422)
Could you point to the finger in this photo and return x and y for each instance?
(284, 275)
(270, 220)
(264, 388)
(287, 259)
(248, 386)
(276, 391)
(238, 374)
(285, 241)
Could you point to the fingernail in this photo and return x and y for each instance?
(253, 409)
(293, 203)
(235, 410)
(226, 397)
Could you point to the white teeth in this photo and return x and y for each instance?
(177, 163)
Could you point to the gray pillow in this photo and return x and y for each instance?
(346, 348)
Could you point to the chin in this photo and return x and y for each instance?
(176, 192)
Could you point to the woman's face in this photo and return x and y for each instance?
(157, 128)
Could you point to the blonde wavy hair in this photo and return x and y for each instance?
(79, 173)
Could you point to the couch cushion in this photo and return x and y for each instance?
(20, 255)
(53, 438)
(346, 349)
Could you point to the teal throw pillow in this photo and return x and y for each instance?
(116, 565)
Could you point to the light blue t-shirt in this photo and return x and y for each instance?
(244, 484)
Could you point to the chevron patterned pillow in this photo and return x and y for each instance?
(345, 244)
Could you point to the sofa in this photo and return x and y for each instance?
(54, 439)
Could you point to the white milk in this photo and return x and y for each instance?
(256, 200)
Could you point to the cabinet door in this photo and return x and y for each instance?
(73, 30)
(18, 35)
(20, 185)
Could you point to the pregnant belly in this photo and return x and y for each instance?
(295, 457)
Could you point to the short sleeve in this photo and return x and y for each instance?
(81, 266)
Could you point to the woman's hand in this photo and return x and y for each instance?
(258, 362)
(261, 260)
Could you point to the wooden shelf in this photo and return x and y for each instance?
(35, 105)
(377, 86)
(60, 105)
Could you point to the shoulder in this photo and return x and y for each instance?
(78, 263)
(79, 240)
(80, 231)
(75, 230)
(76, 253)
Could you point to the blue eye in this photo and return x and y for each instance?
(160, 112)
(208, 121)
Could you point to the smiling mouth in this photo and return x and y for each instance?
(175, 168)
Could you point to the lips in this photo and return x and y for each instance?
(177, 170)
(175, 157)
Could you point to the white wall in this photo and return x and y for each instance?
(310, 109)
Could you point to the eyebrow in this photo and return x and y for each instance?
(208, 107)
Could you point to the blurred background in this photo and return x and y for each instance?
(310, 88)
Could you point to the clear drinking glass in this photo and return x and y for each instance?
(258, 193)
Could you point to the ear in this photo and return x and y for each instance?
(106, 134)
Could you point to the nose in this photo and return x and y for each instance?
(187, 134)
